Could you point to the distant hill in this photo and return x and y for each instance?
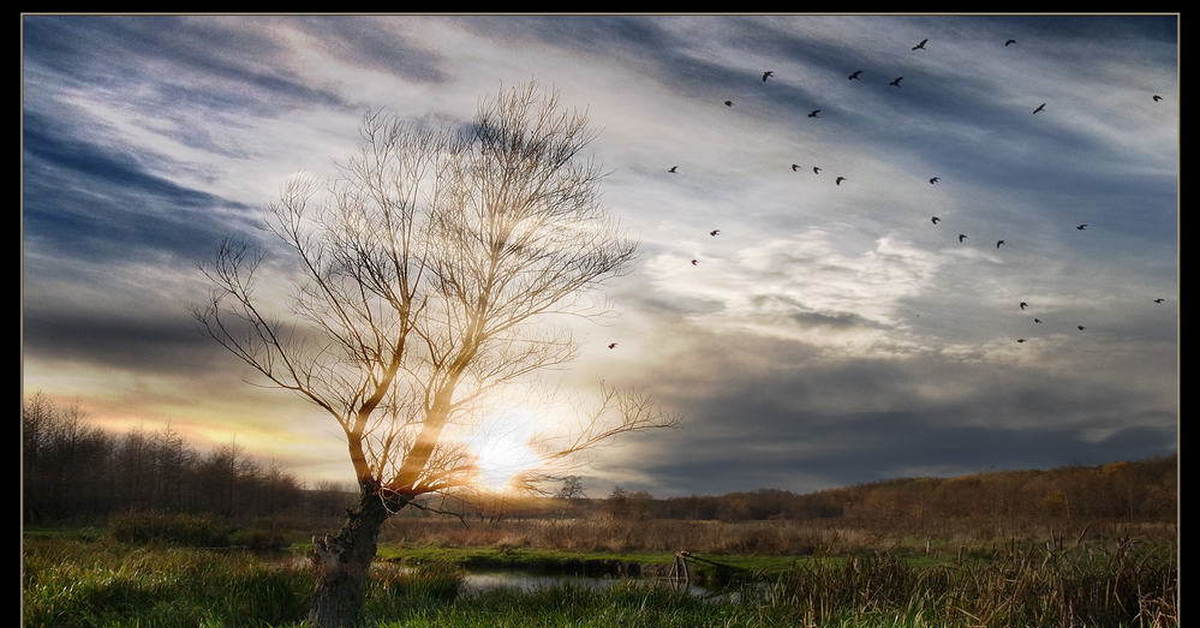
(1143, 490)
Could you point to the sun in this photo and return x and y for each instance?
(501, 449)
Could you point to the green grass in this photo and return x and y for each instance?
(103, 583)
(591, 563)
(87, 533)
(536, 558)
(566, 561)
(75, 582)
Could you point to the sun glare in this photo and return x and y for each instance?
(501, 449)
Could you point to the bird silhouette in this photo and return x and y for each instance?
(714, 233)
(1080, 327)
(728, 103)
(1038, 321)
(1082, 227)
(695, 262)
(1009, 42)
(920, 46)
(961, 237)
(816, 170)
(814, 113)
(1159, 300)
(1000, 243)
(855, 75)
(672, 169)
(838, 181)
(768, 74)
(1020, 340)
(795, 167)
(612, 345)
(1157, 98)
(934, 180)
(896, 82)
(935, 220)
(1023, 305)
(1039, 108)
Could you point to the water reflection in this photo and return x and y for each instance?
(478, 580)
(486, 580)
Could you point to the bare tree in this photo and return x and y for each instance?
(571, 489)
(427, 274)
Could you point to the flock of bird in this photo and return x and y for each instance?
(857, 76)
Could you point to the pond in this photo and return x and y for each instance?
(477, 580)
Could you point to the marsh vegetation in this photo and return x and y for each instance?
(101, 582)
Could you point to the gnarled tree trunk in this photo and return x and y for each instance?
(341, 563)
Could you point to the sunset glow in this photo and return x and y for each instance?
(501, 449)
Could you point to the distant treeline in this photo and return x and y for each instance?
(1137, 491)
(76, 471)
(73, 470)
(1141, 491)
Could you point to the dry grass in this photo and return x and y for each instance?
(836, 537)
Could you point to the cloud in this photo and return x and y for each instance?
(830, 334)
(86, 200)
(362, 42)
(230, 67)
(802, 287)
(784, 414)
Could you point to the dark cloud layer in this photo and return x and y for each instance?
(160, 343)
(889, 446)
(807, 423)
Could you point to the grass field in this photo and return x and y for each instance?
(87, 578)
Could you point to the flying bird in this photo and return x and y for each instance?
(1000, 243)
(612, 345)
(1159, 300)
(795, 167)
(814, 113)
(920, 46)
(1024, 305)
(714, 232)
(768, 74)
(934, 180)
(672, 169)
(854, 77)
(1009, 42)
(695, 262)
(1080, 327)
(961, 237)
(1038, 321)
(1082, 227)
(897, 81)
(816, 170)
(728, 103)
(1157, 98)
(838, 181)
(1039, 108)
(935, 220)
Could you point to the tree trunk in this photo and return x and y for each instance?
(341, 563)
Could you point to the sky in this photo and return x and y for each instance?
(829, 335)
